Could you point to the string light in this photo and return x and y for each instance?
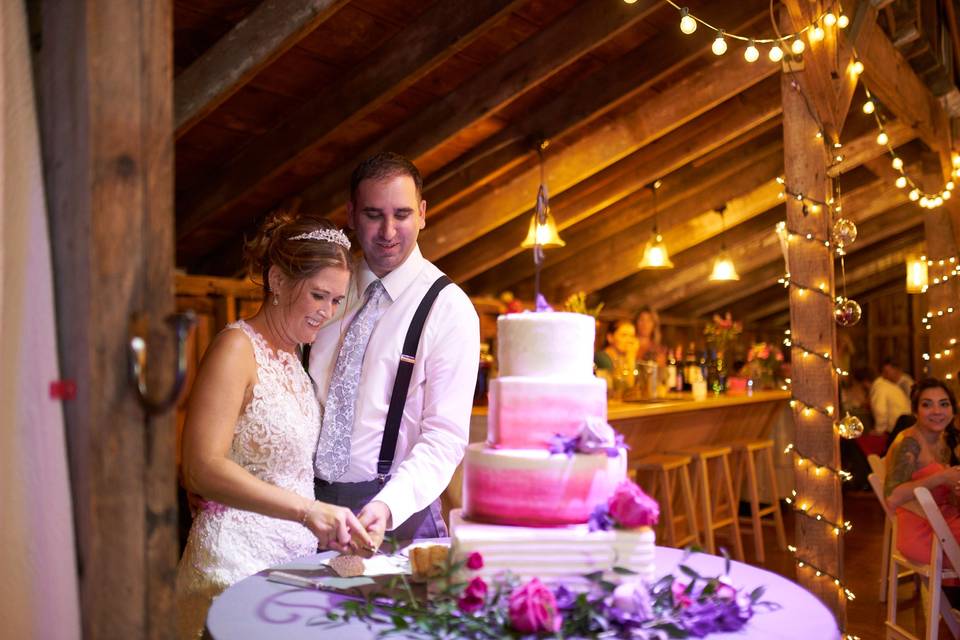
(801, 563)
(820, 288)
(803, 460)
(789, 342)
(814, 31)
(804, 508)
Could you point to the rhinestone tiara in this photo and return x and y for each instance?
(326, 235)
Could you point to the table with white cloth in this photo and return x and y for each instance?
(258, 608)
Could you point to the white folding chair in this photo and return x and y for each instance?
(879, 467)
(944, 544)
(931, 572)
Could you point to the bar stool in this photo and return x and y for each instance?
(712, 485)
(747, 456)
(670, 474)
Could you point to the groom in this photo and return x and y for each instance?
(394, 469)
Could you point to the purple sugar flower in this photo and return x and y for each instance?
(600, 519)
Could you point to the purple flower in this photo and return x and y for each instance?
(533, 609)
(630, 603)
(565, 598)
(631, 507)
(542, 303)
(600, 519)
(563, 444)
(475, 561)
(473, 596)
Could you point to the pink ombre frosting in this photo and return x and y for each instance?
(536, 488)
(528, 412)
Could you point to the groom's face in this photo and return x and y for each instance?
(387, 216)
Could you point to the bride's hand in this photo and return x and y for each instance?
(335, 526)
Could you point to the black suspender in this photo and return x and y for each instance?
(401, 385)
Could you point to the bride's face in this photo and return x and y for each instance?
(313, 301)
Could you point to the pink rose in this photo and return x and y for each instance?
(475, 561)
(533, 609)
(631, 507)
(473, 596)
(680, 596)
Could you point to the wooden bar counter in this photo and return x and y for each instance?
(671, 423)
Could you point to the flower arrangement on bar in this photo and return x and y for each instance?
(577, 303)
(467, 606)
(721, 331)
(763, 364)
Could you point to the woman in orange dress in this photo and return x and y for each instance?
(925, 455)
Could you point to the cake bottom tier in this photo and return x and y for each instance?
(553, 554)
(528, 487)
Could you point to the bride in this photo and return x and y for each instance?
(253, 422)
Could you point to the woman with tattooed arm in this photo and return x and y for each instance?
(925, 455)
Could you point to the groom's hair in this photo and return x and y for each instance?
(381, 166)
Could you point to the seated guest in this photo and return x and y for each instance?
(925, 455)
(649, 345)
(887, 401)
(890, 370)
(621, 347)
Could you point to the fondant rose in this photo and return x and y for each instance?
(473, 596)
(475, 561)
(631, 602)
(631, 507)
(533, 609)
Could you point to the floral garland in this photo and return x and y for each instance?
(691, 606)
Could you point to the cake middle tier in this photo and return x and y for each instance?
(528, 412)
(536, 488)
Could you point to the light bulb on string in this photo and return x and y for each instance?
(843, 21)
(719, 46)
(797, 46)
(856, 67)
(830, 19)
(776, 54)
(817, 34)
(751, 53)
(946, 194)
(914, 195)
(901, 182)
(883, 138)
(687, 24)
(897, 163)
(869, 107)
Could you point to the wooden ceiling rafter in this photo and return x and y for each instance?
(438, 34)
(680, 198)
(252, 44)
(582, 29)
(577, 160)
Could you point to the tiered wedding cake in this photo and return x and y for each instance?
(550, 460)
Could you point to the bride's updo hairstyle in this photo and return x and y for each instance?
(300, 246)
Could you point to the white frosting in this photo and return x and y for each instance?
(555, 345)
(553, 554)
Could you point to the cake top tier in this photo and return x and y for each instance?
(556, 345)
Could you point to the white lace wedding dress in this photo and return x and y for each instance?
(275, 440)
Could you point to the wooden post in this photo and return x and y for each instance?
(940, 298)
(105, 82)
(812, 326)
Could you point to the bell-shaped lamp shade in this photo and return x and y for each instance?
(917, 281)
(543, 234)
(655, 255)
(723, 269)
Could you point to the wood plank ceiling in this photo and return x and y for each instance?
(277, 101)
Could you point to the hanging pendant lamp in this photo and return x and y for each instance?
(723, 267)
(543, 228)
(655, 254)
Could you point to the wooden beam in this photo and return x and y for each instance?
(612, 191)
(442, 31)
(889, 77)
(865, 148)
(898, 220)
(570, 163)
(616, 248)
(583, 28)
(105, 103)
(582, 103)
(253, 43)
(752, 253)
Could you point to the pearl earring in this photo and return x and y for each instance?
(276, 299)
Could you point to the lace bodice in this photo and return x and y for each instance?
(274, 439)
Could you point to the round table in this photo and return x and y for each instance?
(258, 608)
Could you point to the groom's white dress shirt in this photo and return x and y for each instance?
(436, 419)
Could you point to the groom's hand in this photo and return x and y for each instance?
(375, 517)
